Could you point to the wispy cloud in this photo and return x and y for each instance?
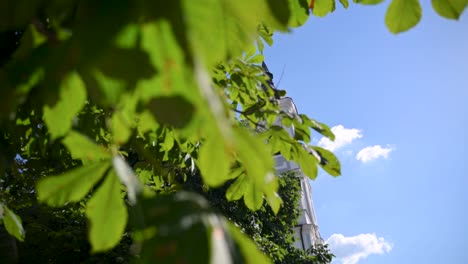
(373, 152)
(343, 136)
(349, 250)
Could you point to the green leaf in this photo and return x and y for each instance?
(451, 9)
(13, 223)
(368, 2)
(59, 117)
(306, 161)
(124, 118)
(214, 161)
(245, 187)
(237, 189)
(249, 250)
(175, 111)
(402, 15)
(71, 186)
(272, 197)
(323, 7)
(106, 89)
(345, 3)
(217, 30)
(328, 161)
(299, 12)
(120, 128)
(254, 156)
(81, 147)
(253, 196)
(146, 123)
(107, 214)
(317, 126)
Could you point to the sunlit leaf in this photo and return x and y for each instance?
(344, 3)
(254, 156)
(306, 161)
(323, 7)
(237, 189)
(299, 12)
(328, 161)
(321, 128)
(120, 128)
(12, 223)
(253, 196)
(368, 2)
(451, 9)
(81, 147)
(402, 15)
(214, 41)
(107, 214)
(214, 163)
(72, 98)
(71, 186)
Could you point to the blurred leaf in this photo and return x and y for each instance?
(402, 15)
(213, 161)
(245, 187)
(368, 2)
(124, 119)
(120, 128)
(451, 9)
(328, 161)
(213, 41)
(81, 147)
(174, 111)
(104, 88)
(72, 98)
(253, 195)
(254, 156)
(146, 122)
(12, 223)
(323, 7)
(345, 3)
(72, 186)
(237, 189)
(115, 63)
(306, 161)
(107, 214)
(299, 12)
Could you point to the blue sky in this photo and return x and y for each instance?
(407, 93)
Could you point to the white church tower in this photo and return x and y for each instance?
(307, 233)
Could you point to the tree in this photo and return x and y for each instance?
(108, 116)
(273, 233)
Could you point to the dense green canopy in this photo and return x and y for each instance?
(109, 108)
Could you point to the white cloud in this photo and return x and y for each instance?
(373, 152)
(343, 136)
(349, 250)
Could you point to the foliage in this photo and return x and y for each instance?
(273, 233)
(109, 115)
